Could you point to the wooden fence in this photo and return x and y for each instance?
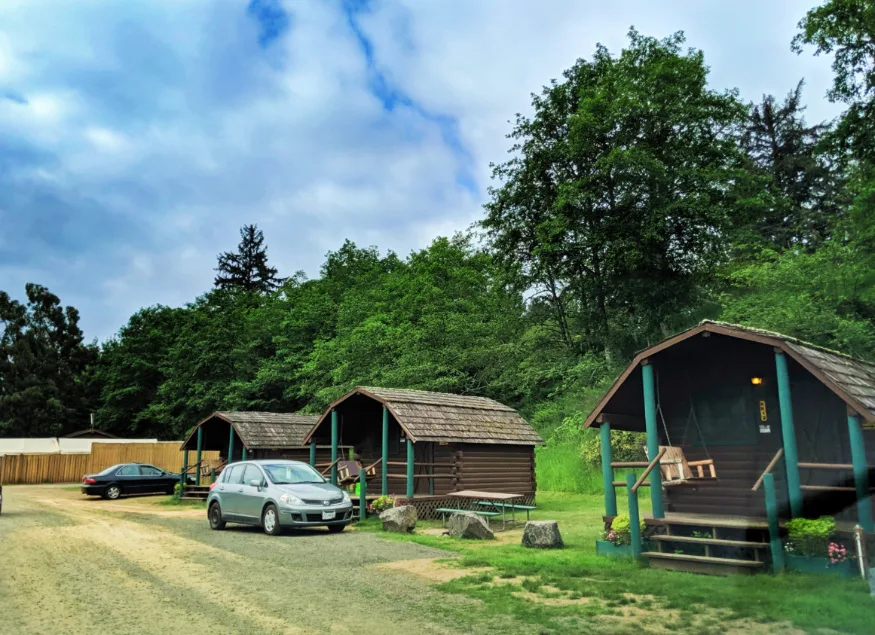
(28, 469)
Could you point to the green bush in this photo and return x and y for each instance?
(620, 531)
(810, 537)
(625, 446)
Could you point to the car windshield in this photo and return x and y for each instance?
(289, 474)
(110, 470)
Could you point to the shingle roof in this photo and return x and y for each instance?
(436, 416)
(850, 378)
(270, 429)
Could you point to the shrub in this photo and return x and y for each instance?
(382, 503)
(620, 531)
(625, 446)
(810, 537)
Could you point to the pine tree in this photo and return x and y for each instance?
(247, 270)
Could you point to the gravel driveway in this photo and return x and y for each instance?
(74, 565)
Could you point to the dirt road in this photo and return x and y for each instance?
(74, 565)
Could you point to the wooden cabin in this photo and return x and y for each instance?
(422, 445)
(724, 405)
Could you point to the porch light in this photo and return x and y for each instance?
(756, 381)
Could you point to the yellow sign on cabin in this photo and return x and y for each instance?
(763, 414)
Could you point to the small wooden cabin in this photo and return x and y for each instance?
(737, 403)
(427, 444)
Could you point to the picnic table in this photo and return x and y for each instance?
(497, 501)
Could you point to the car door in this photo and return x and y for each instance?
(252, 498)
(230, 490)
(150, 479)
(128, 477)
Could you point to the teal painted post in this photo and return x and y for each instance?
(634, 518)
(788, 433)
(861, 472)
(652, 439)
(200, 448)
(409, 468)
(363, 496)
(230, 444)
(212, 475)
(334, 436)
(384, 466)
(312, 454)
(775, 545)
(245, 453)
(608, 471)
(182, 473)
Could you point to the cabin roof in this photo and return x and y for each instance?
(851, 379)
(449, 418)
(265, 429)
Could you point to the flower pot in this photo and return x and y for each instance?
(821, 566)
(609, 549)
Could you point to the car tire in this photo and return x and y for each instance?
(336, 529)
(215, 516)
(112, 492)
(270, 520)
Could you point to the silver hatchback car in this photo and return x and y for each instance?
(276, 494)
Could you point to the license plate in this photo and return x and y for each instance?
(328, 515)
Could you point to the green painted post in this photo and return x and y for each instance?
(230, 444)
(212, 475)
(861, 472)
(363, 496)
(334, 436)
(200, 449)
(384, 466)
(788, 433)
(608, 471)
(634, 519)
(182, 473)
(409, 468)
(652, 439)
(312, 453)
(775, 545)
(245, 454)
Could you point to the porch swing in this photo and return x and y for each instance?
(673, 465)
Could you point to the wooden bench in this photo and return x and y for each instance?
(526, 508)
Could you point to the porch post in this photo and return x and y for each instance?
(244, 453)
(363, 495)
(334, 435)
(775, 545)
(312, 454)
(861, 472)
(634, 518)
(409, 468)
(230, 443)
(652, 438)
(182, 473)
(608, 471)
(384, 466)
(200, 448)
(788, 433)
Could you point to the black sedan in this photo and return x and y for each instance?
(129, 478)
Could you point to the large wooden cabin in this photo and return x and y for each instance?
(432, 443)
(745, 402)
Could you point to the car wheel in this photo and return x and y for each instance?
(215, 515)
(336, 529)
(112, 492)
(270, 520)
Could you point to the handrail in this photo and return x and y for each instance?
(363, 473)
(331, 465)
(768, 469)
(629, 464)
(826, 466)
(649, 469)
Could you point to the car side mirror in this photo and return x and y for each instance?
(256, 483)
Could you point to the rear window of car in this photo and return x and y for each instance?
(148, 470)
(110, 469)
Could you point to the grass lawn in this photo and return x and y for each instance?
(571, 590)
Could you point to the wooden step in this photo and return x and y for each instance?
(718, 520)
(715, 542)
(193, 498)
(701, 564)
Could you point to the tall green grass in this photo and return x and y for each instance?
(560, 468)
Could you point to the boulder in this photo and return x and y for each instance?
(469, 525)
(542, 534)
(401, 519)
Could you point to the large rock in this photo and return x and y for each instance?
(542, 534)
(401, 519)
(469, 525)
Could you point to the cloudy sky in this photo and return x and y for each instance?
(136, 137)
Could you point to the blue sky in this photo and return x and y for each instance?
(137, 137)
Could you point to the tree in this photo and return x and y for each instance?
(847, 28)
(247, 270)
(621, 187)
(45, 368)
(803, 186)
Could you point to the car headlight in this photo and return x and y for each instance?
(345, 497)
(290, 499)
